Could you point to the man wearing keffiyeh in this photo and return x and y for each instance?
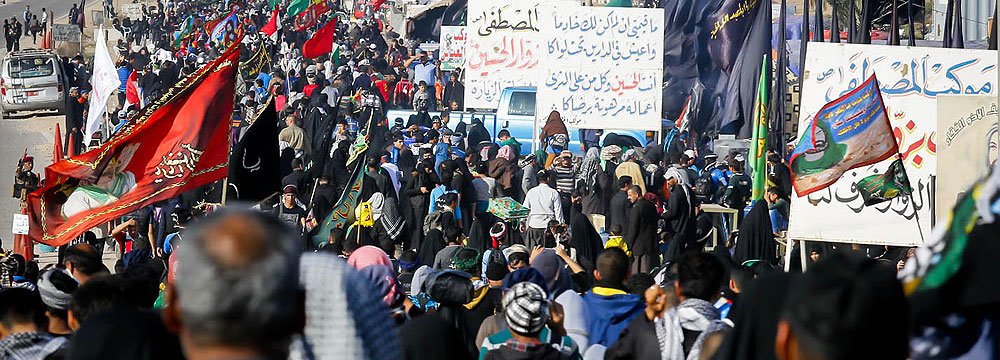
(21, 334)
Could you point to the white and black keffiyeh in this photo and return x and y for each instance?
(691, 314)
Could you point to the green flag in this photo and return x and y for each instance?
(342, 216)
(273, 4)
(758, 146)
(184, 31)
(886, 186)
(296, 7)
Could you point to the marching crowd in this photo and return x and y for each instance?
(462, 245)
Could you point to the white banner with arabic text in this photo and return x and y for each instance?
(603, 67)
(452, 47)
(503, 47)
(910, 79)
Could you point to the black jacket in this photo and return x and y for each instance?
(617, 214)
(680, 214)
(641, 232)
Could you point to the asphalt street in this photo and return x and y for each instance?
(31, 131)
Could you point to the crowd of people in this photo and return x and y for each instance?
(463, 245)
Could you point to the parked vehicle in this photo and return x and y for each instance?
(516, 114)
(32, 80)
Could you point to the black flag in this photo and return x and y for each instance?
(948, 15)
(852, 21)
(865, 29)
(730, 26)
(911, 34)
(777, 135)
(957, 37)
(818, 26)
(894, 23)
(835, 25)
(254, 167)
(742, 81)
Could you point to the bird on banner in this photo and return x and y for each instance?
(177, 143)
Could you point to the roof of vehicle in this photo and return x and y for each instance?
(521, 88)
(31, 52)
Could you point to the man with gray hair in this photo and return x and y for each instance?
(235, 293)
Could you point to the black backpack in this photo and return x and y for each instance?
(703, 186)
(742, 186)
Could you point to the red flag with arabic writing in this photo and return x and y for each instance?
(176, 144)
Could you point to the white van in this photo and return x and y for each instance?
(32, 80)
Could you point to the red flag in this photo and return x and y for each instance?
(272, 26)
(377, 4)
(132, 96)
(320, 43)
(57, 148)
(176, 144)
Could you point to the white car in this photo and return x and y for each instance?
(32, 80)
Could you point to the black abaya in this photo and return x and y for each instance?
(756, 241)
(586, 241)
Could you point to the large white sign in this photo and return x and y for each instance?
(452, 47)
(910, 79)
(967, 146)
(503, 48)
(66, 32)
(602, 66)
(132, 11)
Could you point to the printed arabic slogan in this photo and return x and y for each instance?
(502, 48)
(850, 132)
(910, 80)
(967, 145)
(602, 66)
(176, 144)
(452, 47)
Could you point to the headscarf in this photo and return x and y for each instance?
(553, 269)
(386, 213)
(419, 277)
(525, 308)
(479, 235)
(589, 167)
(375, 265)
(51, 296)
(433, 243)
(554, 125)
(527, 274)
(630, 154)
(344, 318)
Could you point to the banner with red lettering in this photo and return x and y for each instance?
(179, 142)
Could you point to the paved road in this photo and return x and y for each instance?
(32, 131)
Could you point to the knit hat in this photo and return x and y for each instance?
(525, 308)
(496, 270)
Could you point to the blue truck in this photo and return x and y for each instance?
(516, 114)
